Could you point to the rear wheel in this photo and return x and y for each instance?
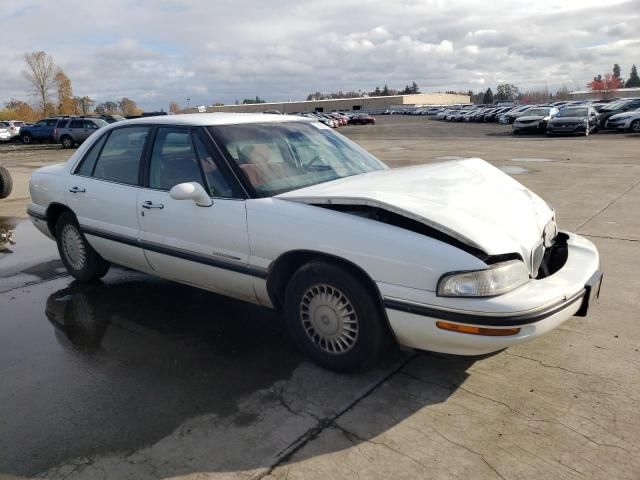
(66, 141)
(334, 317)
(635, 126)
(80, 259)
(6, 183)
(27, 138)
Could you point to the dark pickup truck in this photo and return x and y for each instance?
(41, 131)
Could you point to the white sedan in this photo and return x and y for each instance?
(281, 211)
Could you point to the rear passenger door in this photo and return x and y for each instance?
(103, 192)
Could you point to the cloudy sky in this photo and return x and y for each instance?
(222, 50)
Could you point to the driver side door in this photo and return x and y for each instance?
(202, 246)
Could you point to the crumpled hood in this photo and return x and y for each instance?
(468, 199)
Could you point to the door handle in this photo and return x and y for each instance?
(149, 204)
(77, 190)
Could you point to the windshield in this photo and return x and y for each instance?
(573, 112)
(279, 157)
(537, 111)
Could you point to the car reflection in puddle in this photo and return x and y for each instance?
(132, 358)
(7, 238)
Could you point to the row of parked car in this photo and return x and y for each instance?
(575, 117)
(338, 119)
(73, 130)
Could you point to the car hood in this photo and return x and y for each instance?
(624, 115)
(469, 200)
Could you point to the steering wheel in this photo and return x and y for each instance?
(316, 159)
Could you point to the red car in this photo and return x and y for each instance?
(363, 119)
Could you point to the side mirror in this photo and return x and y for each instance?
(191, 191)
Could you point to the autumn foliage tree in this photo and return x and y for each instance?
(66, 104)
(604, 85)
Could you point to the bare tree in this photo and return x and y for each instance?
(40, 73)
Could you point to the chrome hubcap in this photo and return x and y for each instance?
(329, 319)
(73, 247)
(635, 126)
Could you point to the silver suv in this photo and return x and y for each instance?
(75, 130)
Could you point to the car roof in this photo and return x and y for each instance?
(211, 119)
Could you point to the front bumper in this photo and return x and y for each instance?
(569, 129)
(540, 125)
(535, 308)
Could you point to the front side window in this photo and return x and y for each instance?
(119, 160)
(279, 157)
(173, 159)
(89, 161)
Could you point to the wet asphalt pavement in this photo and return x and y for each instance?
(88, 369)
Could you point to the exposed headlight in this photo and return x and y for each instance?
(495, 280)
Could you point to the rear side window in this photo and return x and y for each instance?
(76, 124)
(119, 160)
(89, 161)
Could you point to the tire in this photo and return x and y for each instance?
(6, 183)
(27, 139)
(635, 126)
(80, 259)
(67, 141)
(345, 340)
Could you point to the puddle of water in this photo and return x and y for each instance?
(93, 368)
(526, 159)
(513, 170)
(26, 255)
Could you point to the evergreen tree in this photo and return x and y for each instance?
(616, 70)
(488, 96)
(634, 80)
(385, 91)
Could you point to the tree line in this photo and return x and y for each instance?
(52, 91)
(385, 91)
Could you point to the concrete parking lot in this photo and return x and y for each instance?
(141, 378)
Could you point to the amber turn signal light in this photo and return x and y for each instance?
(489, 332)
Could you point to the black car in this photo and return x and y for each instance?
(580, 120)
(620, 106)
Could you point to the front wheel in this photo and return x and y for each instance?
(80, 259)
(27, 139)
(335, 317)
(635, 126)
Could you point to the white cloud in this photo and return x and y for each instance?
(158, 51)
